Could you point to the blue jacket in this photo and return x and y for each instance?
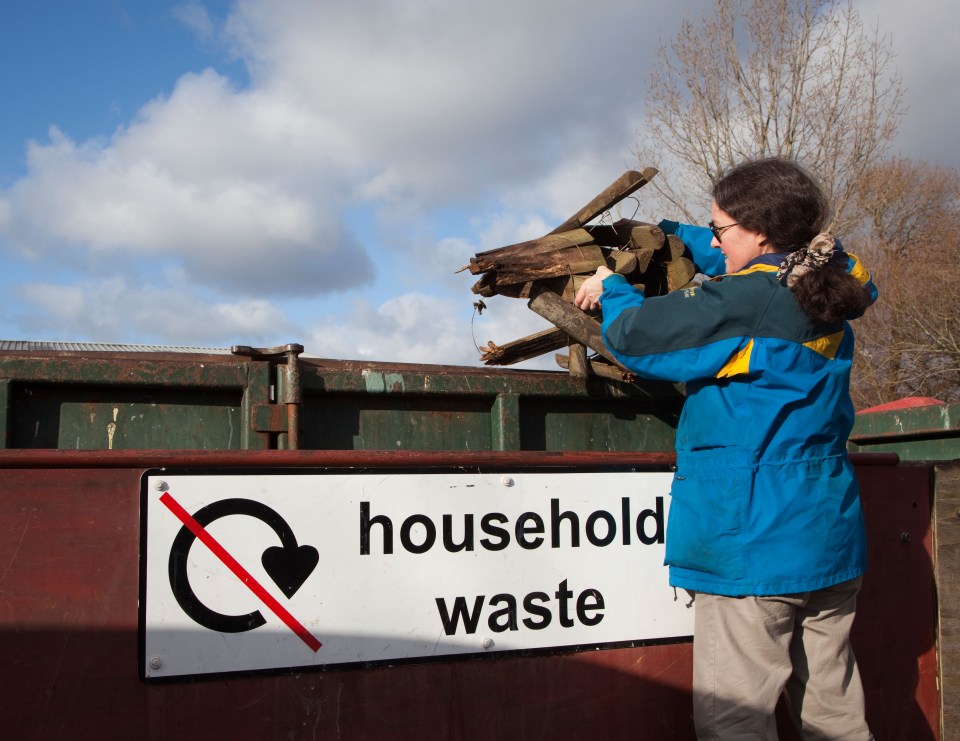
(764, 500)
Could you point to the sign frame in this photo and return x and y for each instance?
(147, 674)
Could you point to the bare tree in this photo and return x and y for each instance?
(909, 343)
(798, 78)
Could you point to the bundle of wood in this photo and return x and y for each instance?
(548, 272)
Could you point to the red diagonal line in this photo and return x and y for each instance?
(241, 573)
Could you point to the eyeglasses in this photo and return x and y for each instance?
(718, 230)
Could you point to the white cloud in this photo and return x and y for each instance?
(111, 310)
(194, 16)
(411, 106)
(511, 116)
(447, 97)
(412, 327)
(422, 328)
(926, 36)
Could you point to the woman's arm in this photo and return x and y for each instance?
(709, 260)
(686, 335)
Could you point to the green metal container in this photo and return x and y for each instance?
(166, 399)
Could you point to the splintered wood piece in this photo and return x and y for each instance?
(525, 348)
(619, 189)
(585, 253)
(571, 261)
(526, 290)
(628, 234)
(485, 286)
(538, 246)
(599, 368)
(571, 320)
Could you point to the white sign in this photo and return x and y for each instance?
(250, 572)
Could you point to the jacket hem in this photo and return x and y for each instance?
(699, 582)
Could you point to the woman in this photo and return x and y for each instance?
(765, 525)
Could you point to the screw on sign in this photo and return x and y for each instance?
(288, 565)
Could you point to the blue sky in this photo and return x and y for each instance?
(270, 171)
(91, 64)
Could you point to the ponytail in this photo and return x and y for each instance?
(824, 289)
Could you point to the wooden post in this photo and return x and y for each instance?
(610, 197)
(578, 366)
(525, 348)
(601, 369)
(571, 320)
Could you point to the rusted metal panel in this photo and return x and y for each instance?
(4, 413)
(269, 418)
(75, 402)
(142, 459)
(947, 563)
(82, 418)
(68, 638)
(69, 544)
(920, 433)
(894, 635)
(506, 422)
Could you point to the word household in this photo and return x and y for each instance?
(530, 530)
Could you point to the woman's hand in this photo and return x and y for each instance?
(588, 297)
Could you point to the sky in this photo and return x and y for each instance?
(261, 172)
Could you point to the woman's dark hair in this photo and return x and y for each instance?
(779, 199)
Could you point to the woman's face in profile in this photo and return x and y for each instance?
(739, 245)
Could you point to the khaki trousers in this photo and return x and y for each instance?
(749, 650)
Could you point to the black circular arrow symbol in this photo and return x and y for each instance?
(288, 565)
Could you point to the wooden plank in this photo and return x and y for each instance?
(561, 272)
(947, 567)
(570, 261)
(538, 246)
(619, 189)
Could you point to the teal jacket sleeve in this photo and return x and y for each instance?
(685, 335)
(697, 239)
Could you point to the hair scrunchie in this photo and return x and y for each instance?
(799, 262)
